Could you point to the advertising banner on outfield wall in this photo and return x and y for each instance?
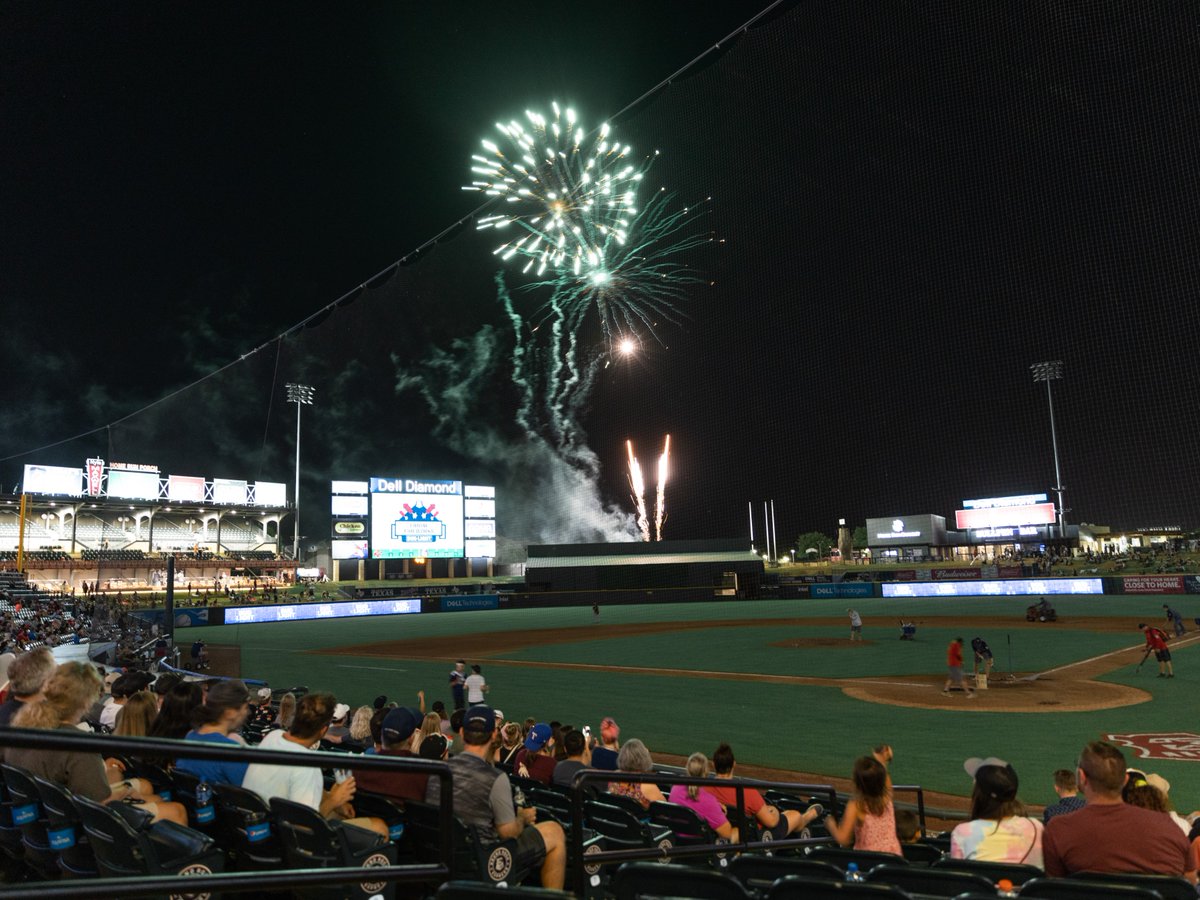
(470, 601)
(1152, 584)
(955, 574)
(852, 589)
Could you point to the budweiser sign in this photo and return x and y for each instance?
(1182, 745)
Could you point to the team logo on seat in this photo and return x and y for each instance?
(1181, 745)
(592, 851)
(374, 861)
(499, 863)
(193, 869)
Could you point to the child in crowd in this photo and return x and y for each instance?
(908, 826)
(869, 820)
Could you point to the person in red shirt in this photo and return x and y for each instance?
(1156, 640)
(954, 662)
(536, 759)
(780, 823)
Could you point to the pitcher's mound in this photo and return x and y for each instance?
(1019, 695)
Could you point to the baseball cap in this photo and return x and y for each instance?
(380, 701)
(433, 747)
(130, 683)
(479, 718)
(340, 710)
(994, 776)
(264, 693)
(609, 730)
(400, 723)
(538, 735)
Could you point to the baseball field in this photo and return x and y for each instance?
(780, 680)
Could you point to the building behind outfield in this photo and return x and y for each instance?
(644, 566)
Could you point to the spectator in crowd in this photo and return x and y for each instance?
(219, 721)
(511, 743)
(456, 738)
(605, 756)
(68, 694)
(339, 728)
(440, 708)
(430, 724)
(476, 686)
(174, 719)
(435, 748)
(287, 711)
(869, 820)
(483, 798)
(1068, 795)
(396, 733)
(636, 759)
(163, 685)
(303, 784)
(122, 689)
(579, 757)
(999, 830)
(1109, 835)
(908, 826)
(377, 718)
(780, 824)
(536, 759)
(137, 715)
(701, 801)
(261, 714)
(360, 726)
(27, 675)
(1139, 780)
(884, 754)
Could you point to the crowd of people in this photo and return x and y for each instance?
(1107, 818)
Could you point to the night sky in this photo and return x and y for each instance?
(910, 204)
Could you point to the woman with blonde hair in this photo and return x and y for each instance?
(287, 711)
(431, 724)
(67, 696)
(136, 717)
(360, 725)
(511, 737)
(704, 803)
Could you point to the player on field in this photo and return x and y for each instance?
(1156, 640)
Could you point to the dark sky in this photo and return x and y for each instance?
(916, 200)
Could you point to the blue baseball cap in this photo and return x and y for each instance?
(538, 735)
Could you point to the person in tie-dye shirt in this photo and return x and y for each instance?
(999, 830)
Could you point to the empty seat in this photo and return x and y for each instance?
(478, 890)
(759, 872)
(1017, 873)
(1169, 887)
(921, 854)
(624, 831)
(1078, 889)
(689, 828)
(796, 887)
(865, 859)
(635, 880)
(245, 828)
(929, 882)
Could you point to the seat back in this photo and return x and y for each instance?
(196, 797)
(920, 854)
(117, 844)
(310, 841)
(797, 887)
(245, 827)
(688, 828)
(1078, 889)
(757, 873)
(1017, 873)
(1169, 887)
(30, 816)
(477, 890)
(635, 880)
(628, 804)
(865, 859)
(929, 882)
(623, 830)
(65, 831)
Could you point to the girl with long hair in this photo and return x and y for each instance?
(869, 820)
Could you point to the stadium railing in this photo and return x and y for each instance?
(109, 745)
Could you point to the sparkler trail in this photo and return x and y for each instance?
(639, 493)
(660, 511)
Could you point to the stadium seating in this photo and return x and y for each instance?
(29, 814)
(796, 887)
(636, 880)
(1166, 886)
(1077, 889)
(758, 873)
(311, 841)
(1017, 873)
(66, 832)
(929, 882)
(866, 860)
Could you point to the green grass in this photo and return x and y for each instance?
(803, 727)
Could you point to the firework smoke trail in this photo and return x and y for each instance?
(574, 197)
(660, 510)
(639, 492)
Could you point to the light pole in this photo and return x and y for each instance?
(1048, 372)
(301, 395)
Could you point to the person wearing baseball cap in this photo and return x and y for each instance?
(395, 734)
(483, 799)
(999, 830)
(122, 689)
(536, 759)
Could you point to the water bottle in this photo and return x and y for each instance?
(852, 873)
(203, 794)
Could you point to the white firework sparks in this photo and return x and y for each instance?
(639, 492)
(660, 511)
(572, 193)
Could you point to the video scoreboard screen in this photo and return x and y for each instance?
(411, 518)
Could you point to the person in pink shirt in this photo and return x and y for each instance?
(704, 803)
(869, 820)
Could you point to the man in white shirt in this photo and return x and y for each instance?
(476, 687)
(303, 784)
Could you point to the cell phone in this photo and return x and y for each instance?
(587, 731)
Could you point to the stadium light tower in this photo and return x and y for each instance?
(1048, 372)
(301, 395)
